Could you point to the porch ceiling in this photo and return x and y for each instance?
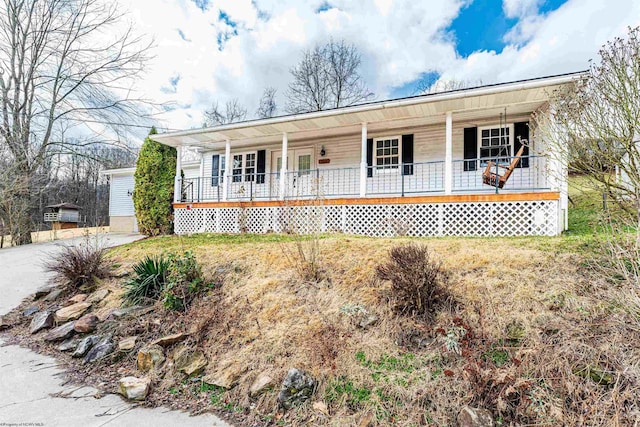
(466, 105)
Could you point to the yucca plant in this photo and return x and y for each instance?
(148, 281)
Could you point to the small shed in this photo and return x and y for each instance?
(63, 216)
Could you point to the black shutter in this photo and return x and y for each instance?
(260, 166)
(369, 157)
(407, 154)
(215, 170)
(521, 133)
(470, 148)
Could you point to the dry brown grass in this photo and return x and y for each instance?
(531, 334)
(564, 317)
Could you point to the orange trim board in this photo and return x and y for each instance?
(457, 198)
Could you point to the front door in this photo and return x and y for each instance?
(302, 180)
(299, 166)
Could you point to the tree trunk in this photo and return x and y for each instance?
(19, 222)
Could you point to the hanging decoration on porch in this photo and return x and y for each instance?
(492, 178)
(491, 175)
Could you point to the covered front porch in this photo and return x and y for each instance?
(382, 159)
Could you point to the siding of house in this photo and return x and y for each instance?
(120, 203)
(191, 171)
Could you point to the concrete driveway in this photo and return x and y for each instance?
(32, 386)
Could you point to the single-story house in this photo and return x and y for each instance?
(413, 166)
(122, 215)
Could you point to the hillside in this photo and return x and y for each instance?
(532, 332)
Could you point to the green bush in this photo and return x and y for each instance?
(148, 282)
(185, 281)
(153, 191)
(174, 279)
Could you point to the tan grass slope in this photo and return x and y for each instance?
(533, 335)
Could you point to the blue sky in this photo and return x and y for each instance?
(483, 25)
(216, 50)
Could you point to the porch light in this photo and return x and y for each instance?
(323, 152)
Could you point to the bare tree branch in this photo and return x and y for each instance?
(593, 128)
(428, 86)
(267, 107)
(327, 77)
(233, 112)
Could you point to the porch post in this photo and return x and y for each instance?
(283, 168)
(448, 156)
(227, 170)
(201, 178)
(363, 162)
(177, 188)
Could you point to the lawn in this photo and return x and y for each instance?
(533, 332)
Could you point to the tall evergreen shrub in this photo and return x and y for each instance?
(153, 193)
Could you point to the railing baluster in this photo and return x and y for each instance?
(404, 179)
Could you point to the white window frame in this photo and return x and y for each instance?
(382, 169)
(489, 127)
(243, 176)
(303, 172)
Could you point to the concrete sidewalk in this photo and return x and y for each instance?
(32, 389)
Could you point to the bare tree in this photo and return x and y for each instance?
(328, 76)
(76, 178)
(64, 64)
(593, 128)
(428, 86)
(267, 107)
(233, 112)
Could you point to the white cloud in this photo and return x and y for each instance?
(399, 40)
(520, 8)
(384, 6)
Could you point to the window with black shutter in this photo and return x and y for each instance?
(369, 157)
(496, 143)
(407, 154)
(470, 149)
(215, 170)
(521, 133)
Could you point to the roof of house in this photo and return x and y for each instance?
(468, 104)
(64, 205)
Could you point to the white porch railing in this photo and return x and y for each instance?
(467, 174)
(406, 178)
(397, 180)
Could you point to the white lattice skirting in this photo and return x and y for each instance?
(508, 218)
